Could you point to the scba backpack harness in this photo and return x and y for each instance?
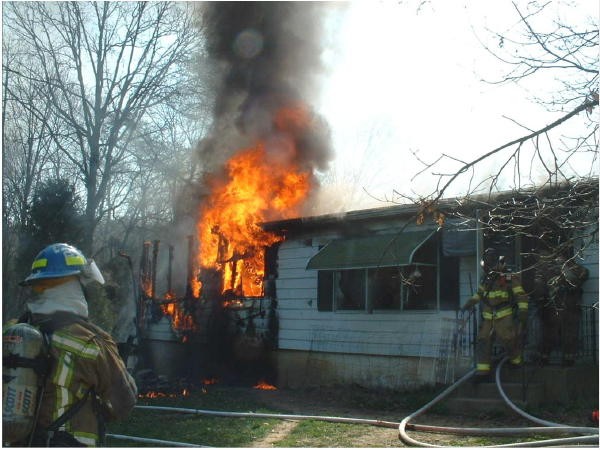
(27, 362)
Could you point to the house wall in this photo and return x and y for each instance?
(378, 349)
(382, 348)
(302, 369)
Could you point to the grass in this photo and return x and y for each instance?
(315, 433)
(195, 429)
(207, 431)
(243, 432)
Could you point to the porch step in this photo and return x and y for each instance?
(476, 406)
(477, 398)
(515, 391)
(544, 385)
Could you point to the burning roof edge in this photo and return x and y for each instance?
(466, 203)
(334, 218)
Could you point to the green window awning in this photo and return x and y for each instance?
(372, 251)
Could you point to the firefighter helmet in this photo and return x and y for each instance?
(492, 261)
(62, 260)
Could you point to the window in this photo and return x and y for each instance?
(420, 288)
(414, 285)
(341, 290)
(449, 274)
(349, 289)
(384, 288)
(325, 290)
(387, 288)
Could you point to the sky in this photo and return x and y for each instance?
(402, 79)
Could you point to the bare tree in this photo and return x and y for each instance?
(26, 151)
(567, 50)
(102, 66)
(541, 186)
(157, 184)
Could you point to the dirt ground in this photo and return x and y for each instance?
(357, 403)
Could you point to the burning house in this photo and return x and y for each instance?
(369, 297)
(272, 292)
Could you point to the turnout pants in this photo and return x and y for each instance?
(505, 330)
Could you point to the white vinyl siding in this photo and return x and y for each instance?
(302, 327)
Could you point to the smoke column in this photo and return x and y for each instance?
(268, 54)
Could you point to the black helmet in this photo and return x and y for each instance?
(491, 260)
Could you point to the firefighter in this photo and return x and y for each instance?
(558, 291)
(499, 293)
(87, 382)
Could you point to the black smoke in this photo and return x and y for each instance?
(269, 56)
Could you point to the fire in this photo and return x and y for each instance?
(263, 182)
(179, 319)
(208, 381)
(233, 304)
(263, 385)
(158, 394)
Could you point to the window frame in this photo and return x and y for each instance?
(368, 302)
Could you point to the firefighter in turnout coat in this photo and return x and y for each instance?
(499, 293)
(558, 291)
(87, 382)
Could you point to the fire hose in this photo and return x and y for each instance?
(587, 435)
(157, 442)
(590, 434)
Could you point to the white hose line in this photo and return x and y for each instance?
(556, 442)
(548, 427)
(152, 441)
(512, 406)
(519, 411)
(473, 431)
(381, 423)
(594, 438)
(206, 412)
(401, 428)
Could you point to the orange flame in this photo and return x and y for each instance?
(158, 394)
(233, 304)
(263, 183)
(263, 385)
(179, 320)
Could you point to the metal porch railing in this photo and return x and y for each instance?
(462, 344)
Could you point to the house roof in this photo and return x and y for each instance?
(467, 203)
(321, 221)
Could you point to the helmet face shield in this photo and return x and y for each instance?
(90, 272)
